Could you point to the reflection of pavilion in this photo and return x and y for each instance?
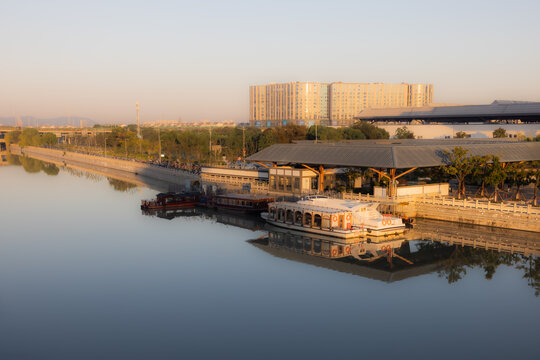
(482, 248)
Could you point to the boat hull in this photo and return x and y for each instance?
(340, 234)
(187, 204)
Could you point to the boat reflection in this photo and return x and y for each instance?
(245, 221)
(412, 255)
(170, 214)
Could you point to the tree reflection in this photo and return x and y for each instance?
(30, 165)
(50, 169)
(454, 267)
(120, 185)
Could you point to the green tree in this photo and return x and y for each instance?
(351, 174)
(499, 133)
(458, 164)
(49, 140)
(480, 170)
(29, 137)
(518, 175)
(535, 176)
(404, 133)
(461, 135)
(495, 174)
(13, 137)
(371, 131)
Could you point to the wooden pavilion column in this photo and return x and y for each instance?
(392, 187)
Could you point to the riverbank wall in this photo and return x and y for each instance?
(173, 176)
(472, 212)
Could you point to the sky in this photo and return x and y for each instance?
(196, 59)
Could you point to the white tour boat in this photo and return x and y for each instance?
(344, 219)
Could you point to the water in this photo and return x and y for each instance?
(85, 275)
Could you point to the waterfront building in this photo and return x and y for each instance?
(334, 104)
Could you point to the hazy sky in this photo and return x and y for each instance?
(196, 59)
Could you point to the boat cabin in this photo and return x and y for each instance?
(310, 216)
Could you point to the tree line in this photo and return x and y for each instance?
(195, 144)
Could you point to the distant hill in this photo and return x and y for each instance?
(57, 121)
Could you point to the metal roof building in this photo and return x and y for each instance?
(390, 155)
(498, 110)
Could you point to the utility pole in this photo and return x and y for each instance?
(210, 145)
(138, 127)
(159, 144)
(244, 143)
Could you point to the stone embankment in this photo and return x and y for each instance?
(134, 167)
(508, 216)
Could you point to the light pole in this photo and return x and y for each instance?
(159, 144)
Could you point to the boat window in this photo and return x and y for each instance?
(272, 213)
(289, 217)
(298, 218)
(297, 183)
(317, 221)
(250, 203)
(281, 215)
(307, 219)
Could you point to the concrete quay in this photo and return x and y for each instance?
(498, 215)
(172, 176)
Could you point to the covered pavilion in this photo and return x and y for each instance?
(391, 159)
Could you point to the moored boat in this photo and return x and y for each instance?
(345, 219)
(240, 202)
(172, 200)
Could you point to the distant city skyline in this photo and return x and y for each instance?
(197, 60)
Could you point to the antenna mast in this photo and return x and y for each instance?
(138, 120)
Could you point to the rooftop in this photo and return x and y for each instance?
(396, 154)
(499, 109)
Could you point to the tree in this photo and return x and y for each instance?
(458, 164)
(371, 131)
(480, 171)
(404, 133)
(495, 175)
(535, 175)
(518, 176)
(462, 135)
(29, 137)
(351, 174)
(499, 133)
(49, 140)
(13, 137)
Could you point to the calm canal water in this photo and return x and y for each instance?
(85, 275)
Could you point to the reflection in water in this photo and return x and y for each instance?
(120, 185)
(397, 259)
(32, 165)
(170, 214)
(245, 221)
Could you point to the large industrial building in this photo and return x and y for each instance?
(334, 104)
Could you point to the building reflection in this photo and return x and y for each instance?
(448, 251)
